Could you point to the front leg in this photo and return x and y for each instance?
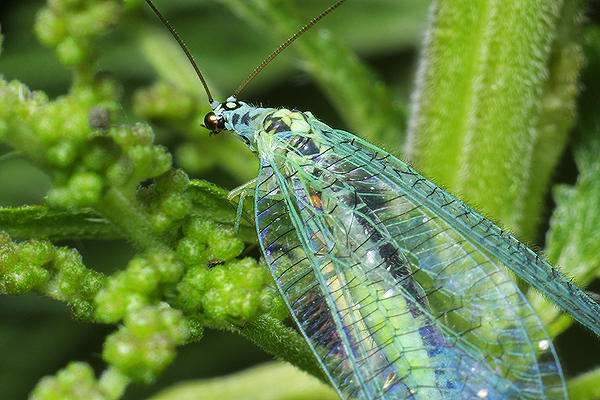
(241, 191)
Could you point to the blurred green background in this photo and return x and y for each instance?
(39, 336)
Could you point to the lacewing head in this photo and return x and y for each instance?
(214, 121)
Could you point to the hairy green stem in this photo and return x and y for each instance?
(494, 78)
(274, 337)
(557, 110)
(25, 140)
(124, 212)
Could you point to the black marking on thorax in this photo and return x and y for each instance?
(245, 118)
(275, 125)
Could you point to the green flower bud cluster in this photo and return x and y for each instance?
(23, 267)
(61, 126)
(68, 136)
(183, 110)
(72, 26)
(57, 134)
(57, 272)
(205, 240)
(167, 200)
(234, 291)
(18, 102)
(82, 189)
(141, 159)
(146, 344)
(73, 283)
(128, 291)
(75, 381)
(74, 148)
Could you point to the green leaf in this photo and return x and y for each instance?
(42, 223)
(573, 240)
(585, 386)
(269, 381)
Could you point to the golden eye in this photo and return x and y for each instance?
(213, 123)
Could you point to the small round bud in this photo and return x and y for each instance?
(70, 52)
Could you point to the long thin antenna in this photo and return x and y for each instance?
(284, 45)
(183, 47)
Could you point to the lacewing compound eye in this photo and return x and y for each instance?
(213, 123)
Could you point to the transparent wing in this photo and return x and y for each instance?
(292, 268)
(394, 300)
(489, 237)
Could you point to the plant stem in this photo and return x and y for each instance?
(274, 337)
(487, 83)
(123, 211)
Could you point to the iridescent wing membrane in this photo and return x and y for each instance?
(397, 286)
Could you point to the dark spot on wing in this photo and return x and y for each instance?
(374, 202)
(391, 256)
(306, 146)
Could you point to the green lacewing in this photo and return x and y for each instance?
(398, 287)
